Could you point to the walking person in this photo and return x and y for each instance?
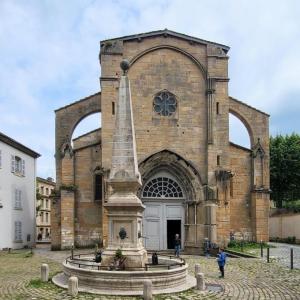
(177, 243)
(221, 259)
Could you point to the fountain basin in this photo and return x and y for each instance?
(164, 280)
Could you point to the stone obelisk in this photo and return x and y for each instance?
(124, 208)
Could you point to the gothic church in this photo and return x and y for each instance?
(194, 181)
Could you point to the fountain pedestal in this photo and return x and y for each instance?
(125, 212)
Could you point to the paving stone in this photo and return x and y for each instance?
(244, 279)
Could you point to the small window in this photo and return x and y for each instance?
(47, 191)
(218, 108)
(231, 187)
(113, 108)
(47, 217)
(218, 160)
(42, 190)
(18, 199)
(98, 187)
(47, 203)
(42, 217)
(17, 165)
(18, 231)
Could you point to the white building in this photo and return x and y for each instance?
(17, 194)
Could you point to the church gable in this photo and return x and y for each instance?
(113, 43)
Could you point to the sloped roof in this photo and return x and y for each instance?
(167, 32)
(13, 143)
(76, 102)
(241, 102)
(47, 181)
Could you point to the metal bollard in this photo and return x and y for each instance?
(200, 282)
(292, 258)
(197, 269)
(72, 251)
(44, 273)
(73, 286)
(268, 254)
(261, 249)
(147, 291)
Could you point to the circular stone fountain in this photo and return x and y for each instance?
(169, 276)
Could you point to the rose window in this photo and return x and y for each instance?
(165, 103)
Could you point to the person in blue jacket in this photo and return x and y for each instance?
(221, 259)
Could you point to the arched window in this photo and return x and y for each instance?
(238, 133)
(162, 187)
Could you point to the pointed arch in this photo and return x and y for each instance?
(174, 48)
(183, 171)
(246, 123)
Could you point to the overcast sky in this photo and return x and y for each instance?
(49, 56)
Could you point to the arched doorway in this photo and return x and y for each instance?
(164, 198)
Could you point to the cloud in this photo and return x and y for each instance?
(49, 55)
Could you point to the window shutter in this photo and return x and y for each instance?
(13, 164)
(23, 167)
(18, 231)
(20, 199)
(16, 198)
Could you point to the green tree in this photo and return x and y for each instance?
(285, 168)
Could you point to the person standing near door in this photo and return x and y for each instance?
(177, 243)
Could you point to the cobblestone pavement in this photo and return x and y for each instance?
(244, 279)
(282, 254)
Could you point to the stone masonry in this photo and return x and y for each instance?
(226, 187)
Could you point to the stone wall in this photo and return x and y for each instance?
(285, 225)
(64, 206)
(240, 192)
(88, 213)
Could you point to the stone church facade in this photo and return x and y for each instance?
(194, 181)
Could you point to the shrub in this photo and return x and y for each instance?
(118, 254)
